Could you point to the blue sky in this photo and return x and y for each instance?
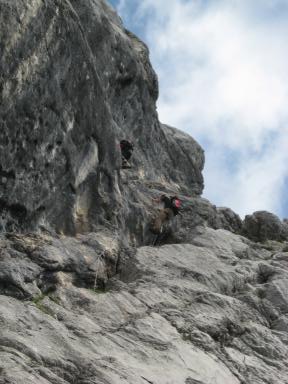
(223, 73)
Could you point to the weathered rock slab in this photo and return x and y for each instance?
(180, 313)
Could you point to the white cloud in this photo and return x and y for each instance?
(257, 182)
(223, 78)
(122, 8)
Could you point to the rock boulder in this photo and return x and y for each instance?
(263, 226)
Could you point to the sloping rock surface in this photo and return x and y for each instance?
(211, 311)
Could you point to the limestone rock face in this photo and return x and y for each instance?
(73, 83)
(229, 220)
(263, 226)
(88, 295)
(214, 310)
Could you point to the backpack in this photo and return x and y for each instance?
(176, 204)
(126, 145)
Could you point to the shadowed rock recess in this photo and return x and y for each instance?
(84, 296)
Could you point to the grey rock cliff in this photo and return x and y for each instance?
(263, 226)
(84, 297)
(74, 82)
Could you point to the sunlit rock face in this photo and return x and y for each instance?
(88, 295)
(91, 310)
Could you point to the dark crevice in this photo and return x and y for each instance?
(16, 210)
(9, 174)
(148, 381)
(9, 288)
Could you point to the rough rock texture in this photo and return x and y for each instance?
(229, 220)
(211, 311)
(74, 82)
(84, 297)
(263, 226)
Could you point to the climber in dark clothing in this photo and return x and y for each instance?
(126, 152)
(171, 208)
